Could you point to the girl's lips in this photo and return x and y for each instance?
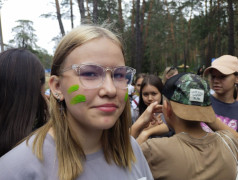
(216, 87)
(107, 107)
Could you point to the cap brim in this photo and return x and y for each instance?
(222, 69)
(194, 113)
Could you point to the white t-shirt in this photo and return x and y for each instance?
(131, 89)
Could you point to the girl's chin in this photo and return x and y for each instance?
(106, 124)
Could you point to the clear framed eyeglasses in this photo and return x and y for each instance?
(92, 75)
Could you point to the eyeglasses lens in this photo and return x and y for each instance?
(122, 77)
(92, 76)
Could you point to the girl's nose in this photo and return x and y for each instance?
(108, 88)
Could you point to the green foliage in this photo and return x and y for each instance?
(25, 38)
(174, 32)
(44, 57)
(24, 34)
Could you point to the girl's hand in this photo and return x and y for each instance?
(156, 119)
(148, 115)
(146, 118)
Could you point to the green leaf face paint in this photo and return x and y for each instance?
(126, 96)
(73, 88)
(78, 99)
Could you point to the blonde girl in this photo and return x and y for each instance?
(87, 135)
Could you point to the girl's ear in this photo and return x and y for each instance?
(54, 84)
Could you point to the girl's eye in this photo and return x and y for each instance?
(89, 74)
(219, 77)
(119, 76)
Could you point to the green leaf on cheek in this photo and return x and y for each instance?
(126, 96)
(78, 99)
(73, 88)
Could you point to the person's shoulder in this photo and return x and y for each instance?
(229, 138)
(159, 144)
(236, 103)
(217, 102)
(20, 150)
(17, 161)
(214, 100)
(137, 98)
(135, 146)
(159, 140)
(140, 165)
(134, 143)
(22, 161)
(227, 133)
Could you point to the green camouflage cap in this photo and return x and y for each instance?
(189, 95)
(192, 90)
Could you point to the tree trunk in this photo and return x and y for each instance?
(141, 30)
(148, 22)
(71, 14)
(1, 37)
(81, 9)
(152, 60)
(188, 39)
(88, 12)
(121, 22)
(142, 16)
(231, 46)
(138, 39)
(207, 41)
(95, 11)
(133, 62)
(219, 30)
(59, 17)
(175, 63)
(109, 15)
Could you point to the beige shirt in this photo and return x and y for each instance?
(182, 157)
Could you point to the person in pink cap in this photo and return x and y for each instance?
(223, 75)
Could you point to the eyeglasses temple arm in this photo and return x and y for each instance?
(66, 69)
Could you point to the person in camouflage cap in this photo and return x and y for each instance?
(191, 153)
(189, 96)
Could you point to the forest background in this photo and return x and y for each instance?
(156, 33)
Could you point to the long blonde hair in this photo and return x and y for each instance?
(115, 141)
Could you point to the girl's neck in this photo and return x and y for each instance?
(226, 98)
(90, 142)
(88, 137)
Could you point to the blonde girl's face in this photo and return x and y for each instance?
(222, 84)
(98, 108)
(150, 94)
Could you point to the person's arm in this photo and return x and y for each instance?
(144, 120)
(154, 130)
(219, 125)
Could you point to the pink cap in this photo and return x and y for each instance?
(226, 64)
